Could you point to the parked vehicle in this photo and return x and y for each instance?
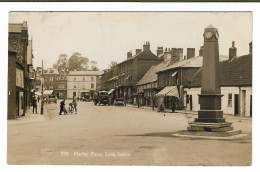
(101, 97)
(119, 102)
(52, 98)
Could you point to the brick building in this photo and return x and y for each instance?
(125, 76)
(50, 76)
(18, 71)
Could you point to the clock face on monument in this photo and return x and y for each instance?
(208, 35)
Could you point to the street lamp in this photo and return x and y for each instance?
(42, 90)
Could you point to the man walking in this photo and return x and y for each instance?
(74, 101)
(34, 103)
(62, 104)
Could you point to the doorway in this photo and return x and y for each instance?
(190, 102)
(250, 105)
(243, 102)
(236, 105)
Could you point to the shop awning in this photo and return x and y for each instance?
(38, 94)
(111, 91)
(174, 92)
(169, 91)
(46, 92)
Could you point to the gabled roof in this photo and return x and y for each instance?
(192, 62)
(94, 73)
(142, 55)
(50, 71)
(189, 63)
(237, 72)
(151, 74)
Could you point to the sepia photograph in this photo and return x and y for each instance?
(160, 88)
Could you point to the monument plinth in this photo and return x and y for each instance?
(210, 116)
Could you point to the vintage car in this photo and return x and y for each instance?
(101, 97)
(52, 98)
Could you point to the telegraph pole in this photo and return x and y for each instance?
(42, 90)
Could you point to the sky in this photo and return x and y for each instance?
(108, 36)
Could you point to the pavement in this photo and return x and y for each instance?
(28, 117)
(123, 135)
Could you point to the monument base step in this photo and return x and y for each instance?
(222, 129)
(211, 133)
(210, 125)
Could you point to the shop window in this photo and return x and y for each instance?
(92, 85)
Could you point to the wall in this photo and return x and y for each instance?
(224, 101)
(79, 85)
(248, 91)
(11, 86)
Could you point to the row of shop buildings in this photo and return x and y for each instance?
(21, 74)
(171, 78)
(73, 84)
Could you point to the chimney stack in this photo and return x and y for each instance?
(146, 46)
(129, 54)
(167, 54)
(201, 51)
(250, 48)
(138, 51)
(232, 51)
(177, 54)
(159, 50)
(190, 53)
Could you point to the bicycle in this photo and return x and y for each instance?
(71, 108)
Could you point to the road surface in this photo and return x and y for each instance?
(110, 135)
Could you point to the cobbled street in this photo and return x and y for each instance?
(119, 135)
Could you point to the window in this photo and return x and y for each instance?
(74, 86)
(229, 99)
(74, 78)
(83, 78)
(92, 78)
(83, 86)
(92, 85)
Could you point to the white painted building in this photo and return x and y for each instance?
(81, 82)
(235, 100)
(236, 87)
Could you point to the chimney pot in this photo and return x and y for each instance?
(159, 50)
(146, 46)
(232, 51)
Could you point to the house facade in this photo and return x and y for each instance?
(50, 76)
(80, 83)
(18, 70)
(124, 77)
(236, 85)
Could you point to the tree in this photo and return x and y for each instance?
(78, 62)
(62, 64)
(112, 64)
(94, 65)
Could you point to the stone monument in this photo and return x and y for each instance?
(210, 119)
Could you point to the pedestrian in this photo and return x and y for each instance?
(173, 105)
(62, 105)
(38, 98)
(34, 103)
(74, 101)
